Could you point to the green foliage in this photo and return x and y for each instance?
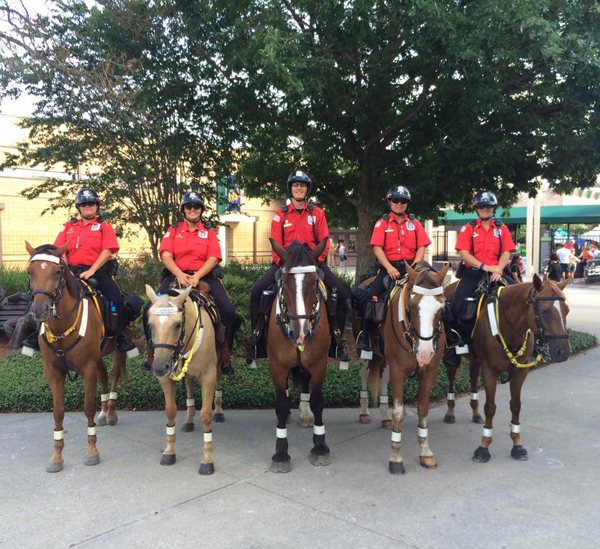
(13, 280)
(23, 387)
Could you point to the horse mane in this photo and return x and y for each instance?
(296, 255)
(73, 286)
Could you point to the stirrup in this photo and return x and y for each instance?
(363, 334)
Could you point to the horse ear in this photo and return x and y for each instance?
(563, 284)
(318, 249)
(61, 251)
(30, 249)
(182, 296)
(151, 294)
(412, 274)
(277, 248)
(537, 282)
(442, 274)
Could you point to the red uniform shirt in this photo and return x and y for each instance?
(190, 249)
(399, 238)
(86, 243)
(299, 226)
(486, 244)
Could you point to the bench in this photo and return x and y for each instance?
(12, 311)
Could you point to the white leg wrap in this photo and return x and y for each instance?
(59, 435)
(344, 365)
(487, 432)
(474, 396)
(190, 402)
(364, 394)
(253, 365)
(304, 397)
(208, 437)
(319, 429)
(450, 396)
(515, 428)
(383, 399)
(281, 433)
(423, 433)
(112, 396)
(92, 431)
(104, 397)
(396, 437)
(219, 394)
(170, 430)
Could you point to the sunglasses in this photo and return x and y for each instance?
(484, 208)
(399, 200)
(87, 204)
(193, 207)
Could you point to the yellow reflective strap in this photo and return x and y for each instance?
(184, 369)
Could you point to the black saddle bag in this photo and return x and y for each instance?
(468, 311)
(376, 311)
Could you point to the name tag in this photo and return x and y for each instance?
(203, 234)
(389, 230)
(96, 227)
(287, 224)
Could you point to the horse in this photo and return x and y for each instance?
(503, 340)
(413, 337)
(183, 339)
(70, 340)
(299, 343)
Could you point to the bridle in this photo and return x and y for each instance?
(542, 340)
(54, 296)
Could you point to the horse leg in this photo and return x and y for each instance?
(168, 387)
(518, 452)
(482, 454)
(209, 380)
(450, 402)
(426, 381)
(384, 409)
(104, 394)
(306, 417)
(281, 461)
(115, 374)
(218, 416)
(56, 380)
(90, 381)
(188, 424)
(364, 416)
(397, 377)
(474, 370)
(319, 455)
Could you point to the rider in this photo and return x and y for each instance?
(306, 223)
(397, 237)
(190, 251)
(484, 246)
(92, 241)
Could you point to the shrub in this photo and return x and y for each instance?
(13, 280)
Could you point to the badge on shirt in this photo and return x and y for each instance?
(276, 218)
(178, 235)
(410, 226)
(96, 227)
(70, 231)
(389, 230)
(475, 235)
(402, 232)
(497, 233)
(203, 234)
(311, 219)
(287, 224)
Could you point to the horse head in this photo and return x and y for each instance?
(424, 305)
(168, 327)
(48, 274)
(299, 298)
(547, 317)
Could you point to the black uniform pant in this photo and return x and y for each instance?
(377, 287)
(106, 283)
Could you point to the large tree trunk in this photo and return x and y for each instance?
(368, 213)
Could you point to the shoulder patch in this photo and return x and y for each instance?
(96, 227)
(276, 218)
(311, 219)
(167, 234)
(203, 234)
(378, 224)
(463, 229)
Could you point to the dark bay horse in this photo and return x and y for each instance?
(299, 337)
(414, 339)
(183, 339)
(70, 340)
(521, 314)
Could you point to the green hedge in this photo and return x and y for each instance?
(23, 387)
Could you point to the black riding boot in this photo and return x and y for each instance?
(339, 351)
(363, 341)
(123, 344)
(226, 349)
(147, 364)
(453, 338)
(257, 341)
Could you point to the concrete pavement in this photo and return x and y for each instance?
(129, 500)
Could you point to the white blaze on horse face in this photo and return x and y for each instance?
(300, 308)
(560, 315)
(44, 265)
(428, 308)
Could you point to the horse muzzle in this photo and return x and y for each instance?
(40, 312)
(560, 350)
(424, 352)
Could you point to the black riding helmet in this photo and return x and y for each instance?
(299, 176)
(191, 198)
(86, 195)
(485, 199)
(397, 191)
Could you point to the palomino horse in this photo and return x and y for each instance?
(183, 339)
(299, 337)
(70, 339)
(414, 338)
(503, 341)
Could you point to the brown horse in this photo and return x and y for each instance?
(70, 340)
(414, 338)
(519, 315)
(298, 337)
(183, 339)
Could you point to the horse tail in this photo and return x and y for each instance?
(296, 378)
(375, 371)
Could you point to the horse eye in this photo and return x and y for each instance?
(177, 326)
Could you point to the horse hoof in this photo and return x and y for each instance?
(519, 453)
(319, 461)
(280, 466)
(478, 420)
(55, 467)
(449, 419)
(101, 421)
(92, 460)
(206, 469)
(112, 422)
(307, 422)
(397, 468)
(219, 418)
(481, 455)
(168, 459)
(428, 462)
(364, 418)
(386, 423)
(187, 427)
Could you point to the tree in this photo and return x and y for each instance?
(446, 97)
(122, 94)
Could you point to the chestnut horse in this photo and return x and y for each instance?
(183, 339)
(520, 314)
(70, 340)
(298, 337)
(414, 338)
